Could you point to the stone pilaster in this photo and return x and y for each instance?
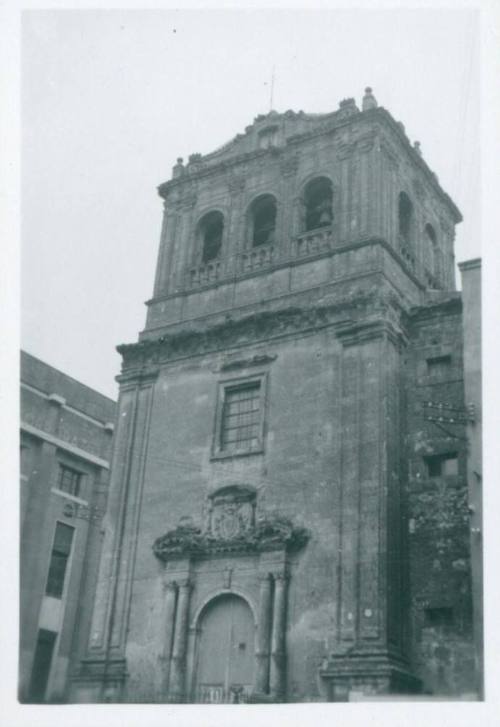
(112, 602)
(369, 650)
(177, 692)
(278, 652)
(263, 635)
(168, 622)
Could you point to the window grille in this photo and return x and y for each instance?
(241, 418)
(69, 480)
(59, 560)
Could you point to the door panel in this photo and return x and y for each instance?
(226, 656)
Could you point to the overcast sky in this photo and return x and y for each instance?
(111, 98)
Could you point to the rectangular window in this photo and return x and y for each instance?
(239, 421)
(41, 665)
(241, 418)
(439, 366)
(442, 465)
(59, 560)
(442, 616)
(69, 480)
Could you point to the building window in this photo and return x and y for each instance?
(431, 234)
(442, 616)
(439, 366)
(69, 480)
(41, 665)
(268, 137)
(405, 216)
(318, 198)
(263, 218)
(240, 417)
(442, 465)
(211, 228)
(59, 560)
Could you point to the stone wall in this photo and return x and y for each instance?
(65, 423)
(439, 527)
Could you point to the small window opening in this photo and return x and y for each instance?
(318, 202)
(439, 366)
(442, 616)
(264, 221)
(405, 213)
(268, 138)
(212, 227)
(59, 560)
(442, 465)
(41, 665)
(69, 480)
(431, 233)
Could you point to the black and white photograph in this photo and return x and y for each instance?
(250, 450)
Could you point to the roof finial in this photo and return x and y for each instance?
(178, 167)
(369, 100)
(272, 91)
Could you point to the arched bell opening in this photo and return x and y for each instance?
(262, 220)
(210, 232)
(318, 204)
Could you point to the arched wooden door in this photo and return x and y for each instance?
(225, 651)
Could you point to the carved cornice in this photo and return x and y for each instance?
(364, 331)
(258, 360)
(355, 304)
(446, 303)
(270, 532)
(143, 376)
(102, 668)
(347, 115)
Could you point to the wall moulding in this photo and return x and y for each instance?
(356, 305)
(231, 526)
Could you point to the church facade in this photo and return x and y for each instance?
(288, 514)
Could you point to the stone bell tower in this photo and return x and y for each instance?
(255, 545)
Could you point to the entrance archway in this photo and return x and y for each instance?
(225, 651)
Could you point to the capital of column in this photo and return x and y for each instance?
(280, 577)
(169, 586)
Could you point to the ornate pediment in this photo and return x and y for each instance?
(231, 526)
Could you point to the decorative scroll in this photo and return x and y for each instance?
(231, 526)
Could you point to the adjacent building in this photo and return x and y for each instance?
(66, 435)
(288, 516)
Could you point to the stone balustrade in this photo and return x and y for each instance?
(205, 274)
(313, 242)
(406, 252)
(257, 258)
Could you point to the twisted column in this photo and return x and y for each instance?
(278, 656)
(263, 636)
(178, 665)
